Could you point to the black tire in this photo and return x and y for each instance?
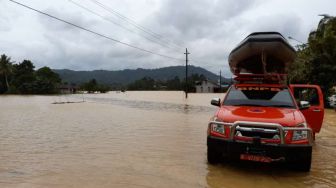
(304, 164)
(214, 156)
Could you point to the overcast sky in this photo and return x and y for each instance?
(208, 28)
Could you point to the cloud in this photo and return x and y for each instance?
(193, 19)
(4, 26)
(287, 24)
(209, 29)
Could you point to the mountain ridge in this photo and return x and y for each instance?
(126, 76)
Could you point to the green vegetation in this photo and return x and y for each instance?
(316, 60)
(145, 83)
(93, 86)
(21, 78)
(148, 83)
(121, 78)
(6, 69)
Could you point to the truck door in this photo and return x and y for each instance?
(313, 94)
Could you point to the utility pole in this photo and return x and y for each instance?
(186, 74)
(220, 80)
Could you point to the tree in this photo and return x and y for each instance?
(24, 77)
(299, 70)
(45, 73)
(6, 68)
(174, 84)
(47, 81)
(93, 86)
(316, 60)
(146, 83)
(322, 48)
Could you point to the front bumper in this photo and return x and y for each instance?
(278, 152)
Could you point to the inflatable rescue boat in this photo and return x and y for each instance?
(262, 53)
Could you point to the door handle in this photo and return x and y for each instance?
(316, 110)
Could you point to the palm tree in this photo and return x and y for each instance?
(5, 67)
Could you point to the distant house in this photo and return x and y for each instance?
(206, 86)
(68, 88)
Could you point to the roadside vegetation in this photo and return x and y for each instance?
(175, 84)
(93, 86)
(316, 60)
(22, 78)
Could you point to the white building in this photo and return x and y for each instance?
(206, 86)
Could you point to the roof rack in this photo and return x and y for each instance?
(270, 78)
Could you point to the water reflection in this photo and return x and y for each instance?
(187, 108)
(153, 105)
(250, 174)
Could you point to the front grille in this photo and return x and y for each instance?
(267, 133)
(258, 134)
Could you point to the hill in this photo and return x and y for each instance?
(123, 77)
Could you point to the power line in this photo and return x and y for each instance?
(93, 32)
(128, 20)
(132, 22)
(115, 23)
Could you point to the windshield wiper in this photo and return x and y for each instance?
(282, 105)
(248, 105)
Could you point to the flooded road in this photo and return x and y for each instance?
(133, 139)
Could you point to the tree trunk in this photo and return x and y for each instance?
(6, 82)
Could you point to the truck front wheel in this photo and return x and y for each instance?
(213, 156)
(304, 164)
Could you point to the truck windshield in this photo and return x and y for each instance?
(259, 96)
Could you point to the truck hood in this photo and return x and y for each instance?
(282, 116)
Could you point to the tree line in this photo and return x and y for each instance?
(22, 78)
(316, 59)
(93, 86)
(148, 83)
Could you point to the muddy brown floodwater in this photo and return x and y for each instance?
(133, 139)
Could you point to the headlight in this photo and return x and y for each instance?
(217, 128)
(300, 135)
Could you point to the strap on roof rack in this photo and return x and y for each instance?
(261, 78)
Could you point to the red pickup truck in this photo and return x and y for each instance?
(263, 119)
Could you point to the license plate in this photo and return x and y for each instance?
(257, 158)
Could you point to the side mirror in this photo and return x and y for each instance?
(304, 105)
(215, 101)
